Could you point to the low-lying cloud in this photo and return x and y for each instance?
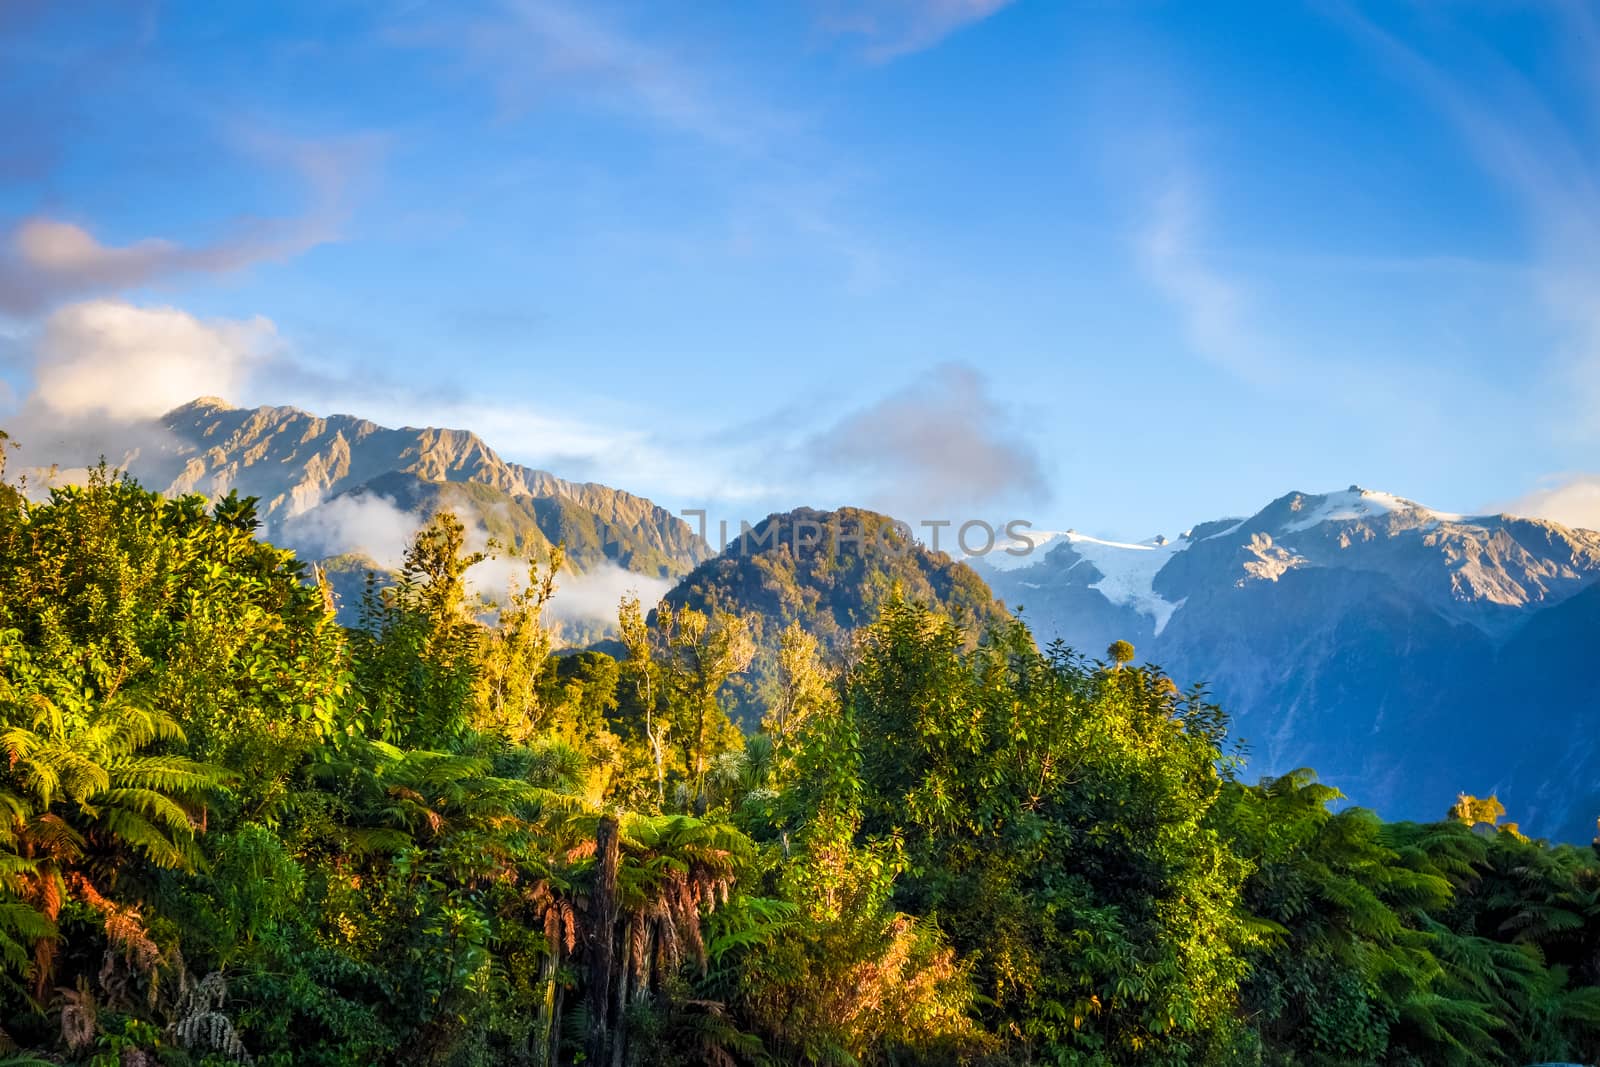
(375, 527)
(591, 597)
(364, 524)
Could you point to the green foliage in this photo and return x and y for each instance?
(417, 646)
(1056, 819)
(232, 831)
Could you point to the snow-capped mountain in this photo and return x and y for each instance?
(1406, 654)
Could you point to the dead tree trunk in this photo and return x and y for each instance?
(624, 970)
(602, 936)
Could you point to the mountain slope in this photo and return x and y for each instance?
(1405, 654)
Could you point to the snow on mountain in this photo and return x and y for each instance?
(1355, 504)
(1009, 553)
(1129, 572)
(1348, 631)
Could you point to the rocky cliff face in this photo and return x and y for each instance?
(1405, 654)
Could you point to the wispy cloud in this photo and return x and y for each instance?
(1214, 306)
(890, 29)
(529, 49)
(782, 184)
(1546, 158)
(45, 260)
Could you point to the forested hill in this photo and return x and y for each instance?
(234, 832)
(826, 573)
(831, 571)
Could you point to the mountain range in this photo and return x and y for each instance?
(1405, 654)
(348, 493)
(296, 462)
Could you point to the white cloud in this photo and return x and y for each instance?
(108, 359)
(592, 597)
(362, 524)
(1573, 501)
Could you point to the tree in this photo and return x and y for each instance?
(81, 797)
(644, 673)
(1057, 819)
(419, 642)
(516, 658)
(799, 687)
(702, 652)
(1474, 811)
(677, 665)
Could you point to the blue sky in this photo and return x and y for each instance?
(1119, 266)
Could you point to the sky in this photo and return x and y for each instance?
(1118, 266)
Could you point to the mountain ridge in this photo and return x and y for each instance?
(1352, 631)
(222, 447)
